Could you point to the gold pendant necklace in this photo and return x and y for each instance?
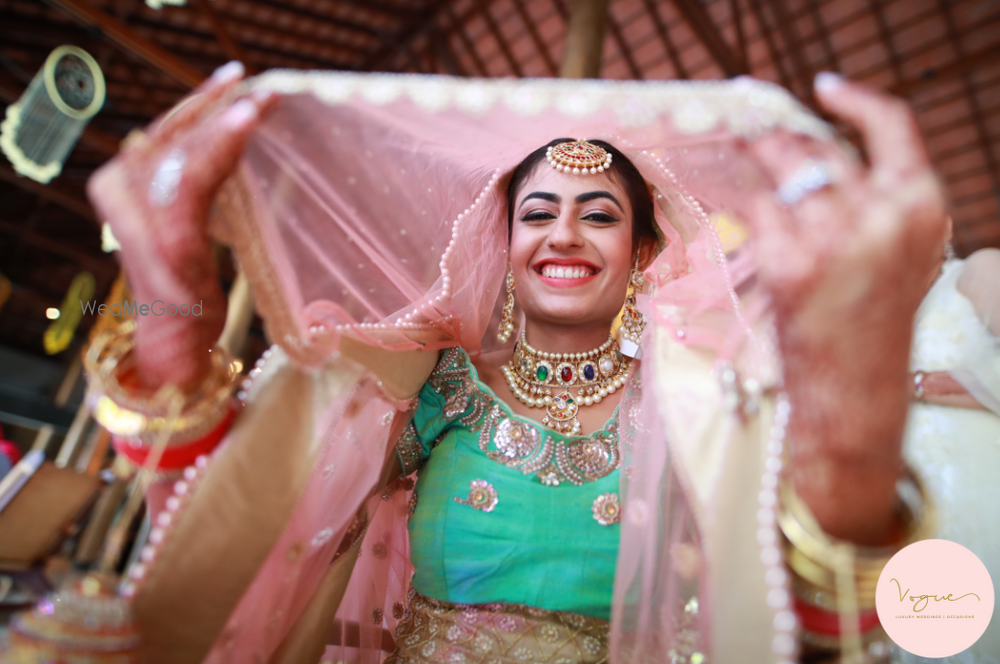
(534, 375)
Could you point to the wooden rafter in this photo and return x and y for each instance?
(623, 47)
(420, 26)
(69, 201)
(229, 45)
(585, 28)
(131, 41)
(951, 71)
(661, 29)
(772, 49)
(886, 37)
(86, 261)
(708, 33)
(824, 35)
(801, 72)
(741, 39)
(975, 109)
(529, 24)
(491, 25)
(458, 29)
(445, 55)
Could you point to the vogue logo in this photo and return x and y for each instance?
(126, 308)
(934, 598)
(920, 602)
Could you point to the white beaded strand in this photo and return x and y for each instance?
(784, 620)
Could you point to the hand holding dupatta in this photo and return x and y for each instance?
(156, 195)
(846, 267)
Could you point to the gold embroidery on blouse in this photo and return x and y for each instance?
(482, 496)
(606, 509)
(516, 443)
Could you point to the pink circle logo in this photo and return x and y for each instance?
(934, 598)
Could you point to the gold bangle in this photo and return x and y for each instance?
(815, 558)
(141, 416)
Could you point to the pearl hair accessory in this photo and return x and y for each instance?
(578, 157)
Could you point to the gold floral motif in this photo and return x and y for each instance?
(606, 509)
(497, 633)
(482, 496)
(377, 616)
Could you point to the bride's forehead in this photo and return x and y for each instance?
(549, 180)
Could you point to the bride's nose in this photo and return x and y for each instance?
(565, 233)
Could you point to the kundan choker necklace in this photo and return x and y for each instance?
(534, 375)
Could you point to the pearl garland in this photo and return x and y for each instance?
(784, 620)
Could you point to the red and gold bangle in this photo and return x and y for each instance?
(176, 457)
(136, 417)
(821, 621)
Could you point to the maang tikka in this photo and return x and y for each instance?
(507, 317)
(632, 321)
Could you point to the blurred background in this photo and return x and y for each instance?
(942, 56)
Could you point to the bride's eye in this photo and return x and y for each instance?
(538, 215)
(602, 217)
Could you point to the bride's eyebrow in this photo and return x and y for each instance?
(544, 195)
(592, 195)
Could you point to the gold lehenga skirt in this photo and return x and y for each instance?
(434, 632)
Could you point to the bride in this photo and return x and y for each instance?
(579, 495)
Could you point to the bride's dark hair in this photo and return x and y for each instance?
(622, 170)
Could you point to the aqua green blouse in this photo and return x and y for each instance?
(508, 510)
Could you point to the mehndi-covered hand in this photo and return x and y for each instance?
(156, 194)
(847, 262)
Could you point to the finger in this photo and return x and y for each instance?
(189, 109)
(886, 123)
(821, 213)
(217, 145)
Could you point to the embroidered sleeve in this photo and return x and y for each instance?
(445, 400)
(410, 450)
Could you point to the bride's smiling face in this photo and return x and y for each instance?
(571, 247)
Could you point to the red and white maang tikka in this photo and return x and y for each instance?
(578, 157)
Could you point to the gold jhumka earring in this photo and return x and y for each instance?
(507, 317)
(632, 321)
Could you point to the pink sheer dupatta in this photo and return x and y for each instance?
(372, 208)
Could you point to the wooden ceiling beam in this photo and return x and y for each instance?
(422, 24)
(736, 16)
(229, 45)
(447, 56)
(131, 41)
(801, 72)
(661, 29)
(86, 261)
(68, 201)
(885, 36)
(491, 25)
(978, 119)
(623, 47)
(583, 50)
(706, 30)
(824, 35)
(529, 24)
(470, 48)
(302, 12)
(931, 77)
(772, 49)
